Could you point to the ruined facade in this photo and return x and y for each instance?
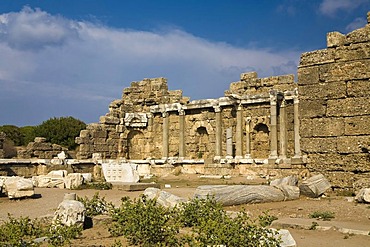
(255, 122)
(320, 122)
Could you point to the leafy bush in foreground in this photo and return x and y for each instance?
(145, 223)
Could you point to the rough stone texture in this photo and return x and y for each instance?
(41, 149)
(291, 180)
(240, 194)
(163, 198)
(18, 187)
(334, 88)
(135, 126)
(70, 212)
(73, 180)
(363, 195)
(286, 238)
(361, 184)
(314, 186)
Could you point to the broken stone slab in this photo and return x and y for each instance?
(58, 173)
(229, 195)
(291, 180)
(163, 198)
(73, 180)
(290, 192)
(314, 186)
(363, 195)
(70, 211)
(18, 187)
(286, 238)
(361, 183)
(45, 181)
(116, 171)
(87, 177)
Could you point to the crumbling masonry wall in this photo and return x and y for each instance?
(334, 94)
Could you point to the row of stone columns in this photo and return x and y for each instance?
(239, 132)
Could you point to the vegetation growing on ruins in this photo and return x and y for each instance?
(322, 215)
(200, 222)
(23, 231)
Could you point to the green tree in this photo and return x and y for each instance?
(13, 133)
(28, 133)
(62, 131)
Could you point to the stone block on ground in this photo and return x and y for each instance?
(363, 195)
(73, 180)
(229, 195)
(18, 187)
(163, 198)
(87, 177)
(314, 186)
(70, 212)
(115, 171)
(286, 238)
(361, 184)
(291, 180)
(45, 181)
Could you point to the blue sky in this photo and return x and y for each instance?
(72, 58)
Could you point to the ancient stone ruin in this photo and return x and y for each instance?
(261, 127)
(261, 124)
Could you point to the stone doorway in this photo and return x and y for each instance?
(135, 145)
(260, 142)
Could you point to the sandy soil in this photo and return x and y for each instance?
(347, 212)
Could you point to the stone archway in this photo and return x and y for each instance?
(135, 145)
(260, 141)
(202, 141)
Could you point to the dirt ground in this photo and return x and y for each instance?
(346, 212)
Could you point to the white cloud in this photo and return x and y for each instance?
(355, 24)
(68, 67)
(331, 7)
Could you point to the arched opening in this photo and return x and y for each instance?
(260, 142)
(202, 141)
(135, 145)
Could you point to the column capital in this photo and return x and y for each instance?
(248, 120)
(217, 108)
(181, 112)
(165, 114)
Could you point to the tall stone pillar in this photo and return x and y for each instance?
(218, 148)
(165, 143)
(248, 138)
(182, 134)
(283, 130)
(239, 133)
(229, 143)
(297, 145)
(273, 127)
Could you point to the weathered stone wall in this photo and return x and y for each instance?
(41, 149)
(334, 94)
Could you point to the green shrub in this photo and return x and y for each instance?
(265, 219)
(144, 223)
(60, 235)
(20, 232)
(96, 205)
(95, 186)
(322, 215)
(23, 231)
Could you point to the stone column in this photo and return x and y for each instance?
(273, 127)
(229, 143)
(218, 148)
(165, 144)
(239, 133)
(283, 130)
(297, 145)
(182, 134)
(248, 137)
